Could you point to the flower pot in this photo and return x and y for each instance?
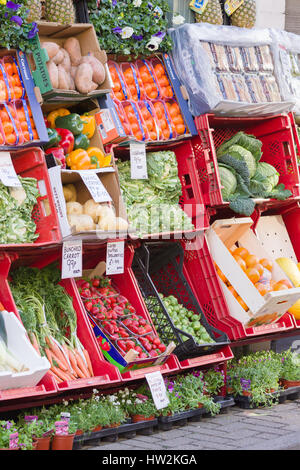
(7, 448)
(229, 390)
(97, 428)
(42, 443)
(137, 418)
(62, 442)
(290, 383)
(270, 390)
(246, 393)
(200, 405)
(79, 432)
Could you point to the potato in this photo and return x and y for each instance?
(97, 66)
(59, 57)
(53, 73)
(70, 192)
(74, 208)
(106, 210)
(71, 83)
(73, 71)
(121, 224)
(63, 78)
(83, 79)
(72, 46)
(51, 47)
(66, 63)
(108, 223)
(81, 223)
(92, 208)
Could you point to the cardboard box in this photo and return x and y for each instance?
(53, 32)
(33, 95)
(109, 179)
(221, 237)
(110, 123)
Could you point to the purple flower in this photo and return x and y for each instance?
(16, 19)
(13, 6)
(245, 384)
(33, 31)
(160, 34)
(114, 2)
(117, 30)
(137, 37)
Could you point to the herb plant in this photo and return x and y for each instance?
(15, 31)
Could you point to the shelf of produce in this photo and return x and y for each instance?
(30, 163)
(104, 375)
(199, 267)
(277, 136)
(191, 200)
(126, 284)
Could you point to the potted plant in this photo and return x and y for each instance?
(141, 408)
(176, 404)
(213, 381)
(290, 369)
(192, 386)
(64, 440)
(38, 431)
(9, 436)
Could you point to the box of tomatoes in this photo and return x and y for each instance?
(255, 288)
(146, 103)
(21, 119)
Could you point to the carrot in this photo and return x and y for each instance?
(72, 359)
(34, 342)
(81, 364)
(88, 360)
(57, 352)
(55, 376)
(62, 375)
(55, 361)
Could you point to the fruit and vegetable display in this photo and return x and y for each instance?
(91, 215)
(48, 315)
(244, 177)
(17, 125)
(16, 209)
(145, 101)
(69, 70)
(153, 204)
(70, 137)
(118, 319)
(183, 319)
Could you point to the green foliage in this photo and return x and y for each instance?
(139, 15)
(15, 32)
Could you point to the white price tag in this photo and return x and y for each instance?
(158, 389)
(138, 161)
(115, 258)
(71, 259)
(95, 186)
(8, 174)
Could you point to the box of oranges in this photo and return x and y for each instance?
(148, 102)
(255, 288)
(21, 119)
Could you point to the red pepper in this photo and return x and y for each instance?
(47, 123)
(57, 153)
(67, 140)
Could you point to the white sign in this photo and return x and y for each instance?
(59, 200)
(71, 259)
(158, 389)
(95, 186)
(115, 258)
(8, 174)
(138, 161)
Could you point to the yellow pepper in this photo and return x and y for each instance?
(79, 160)
(54, 114)
(89, 125)
(98, 157)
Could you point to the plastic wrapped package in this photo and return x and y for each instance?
(241, 88)
(256, 88)
(271, 88)
(207, 48)
(211, 89)
(295, 64)
(264, 57)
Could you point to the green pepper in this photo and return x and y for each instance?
(54, 138)
(72, 122)
(81, 142)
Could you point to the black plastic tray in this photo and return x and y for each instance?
(292, 393)
(127, 430)
(158, 267)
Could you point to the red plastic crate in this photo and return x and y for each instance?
(276, 134)
(127, 285)
(105, 374)
(31, 163)
(221, 356)
(200, 270)
(191, 201)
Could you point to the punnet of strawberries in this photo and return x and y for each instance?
(118, 319)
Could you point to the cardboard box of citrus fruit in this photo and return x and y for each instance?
(256, 290)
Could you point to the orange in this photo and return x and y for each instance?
(8, 68)
(180, 129)
(259, 268)
(26, 136)
(262, 288)
(266, 264)
(253, 275)
(153, 95)
(251, 260)
(178, 120)
(117, 87)
(240, 262)
(35, 134)
(11, 139)
(159, 70)
(287, 283)
(119, 96)
(279, 286)
(169, 92)
(8, 127)
(4, 116)
(153, 135)
(138, 136)
(159, 113)
(242, 252)
(24, 126)
(163, 81)
(135, 127)
(18, 92)
(242, 303)
(166, 133)
(3, 95)
(149, 124)
(233, 291)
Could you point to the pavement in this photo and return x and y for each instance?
(275, 428)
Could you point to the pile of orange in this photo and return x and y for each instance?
(21, 117)
(118, 90)
(10, 125)
(176, 117)
(148, 79)
(13, 74)
(137, 128)
(148, 114)
(259, 272)
(166, 90)
(132, 80)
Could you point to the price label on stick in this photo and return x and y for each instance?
(95, 186)
(8, 174)
(138, 161)
(115, 258)
(158, 389)
(71, 259)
